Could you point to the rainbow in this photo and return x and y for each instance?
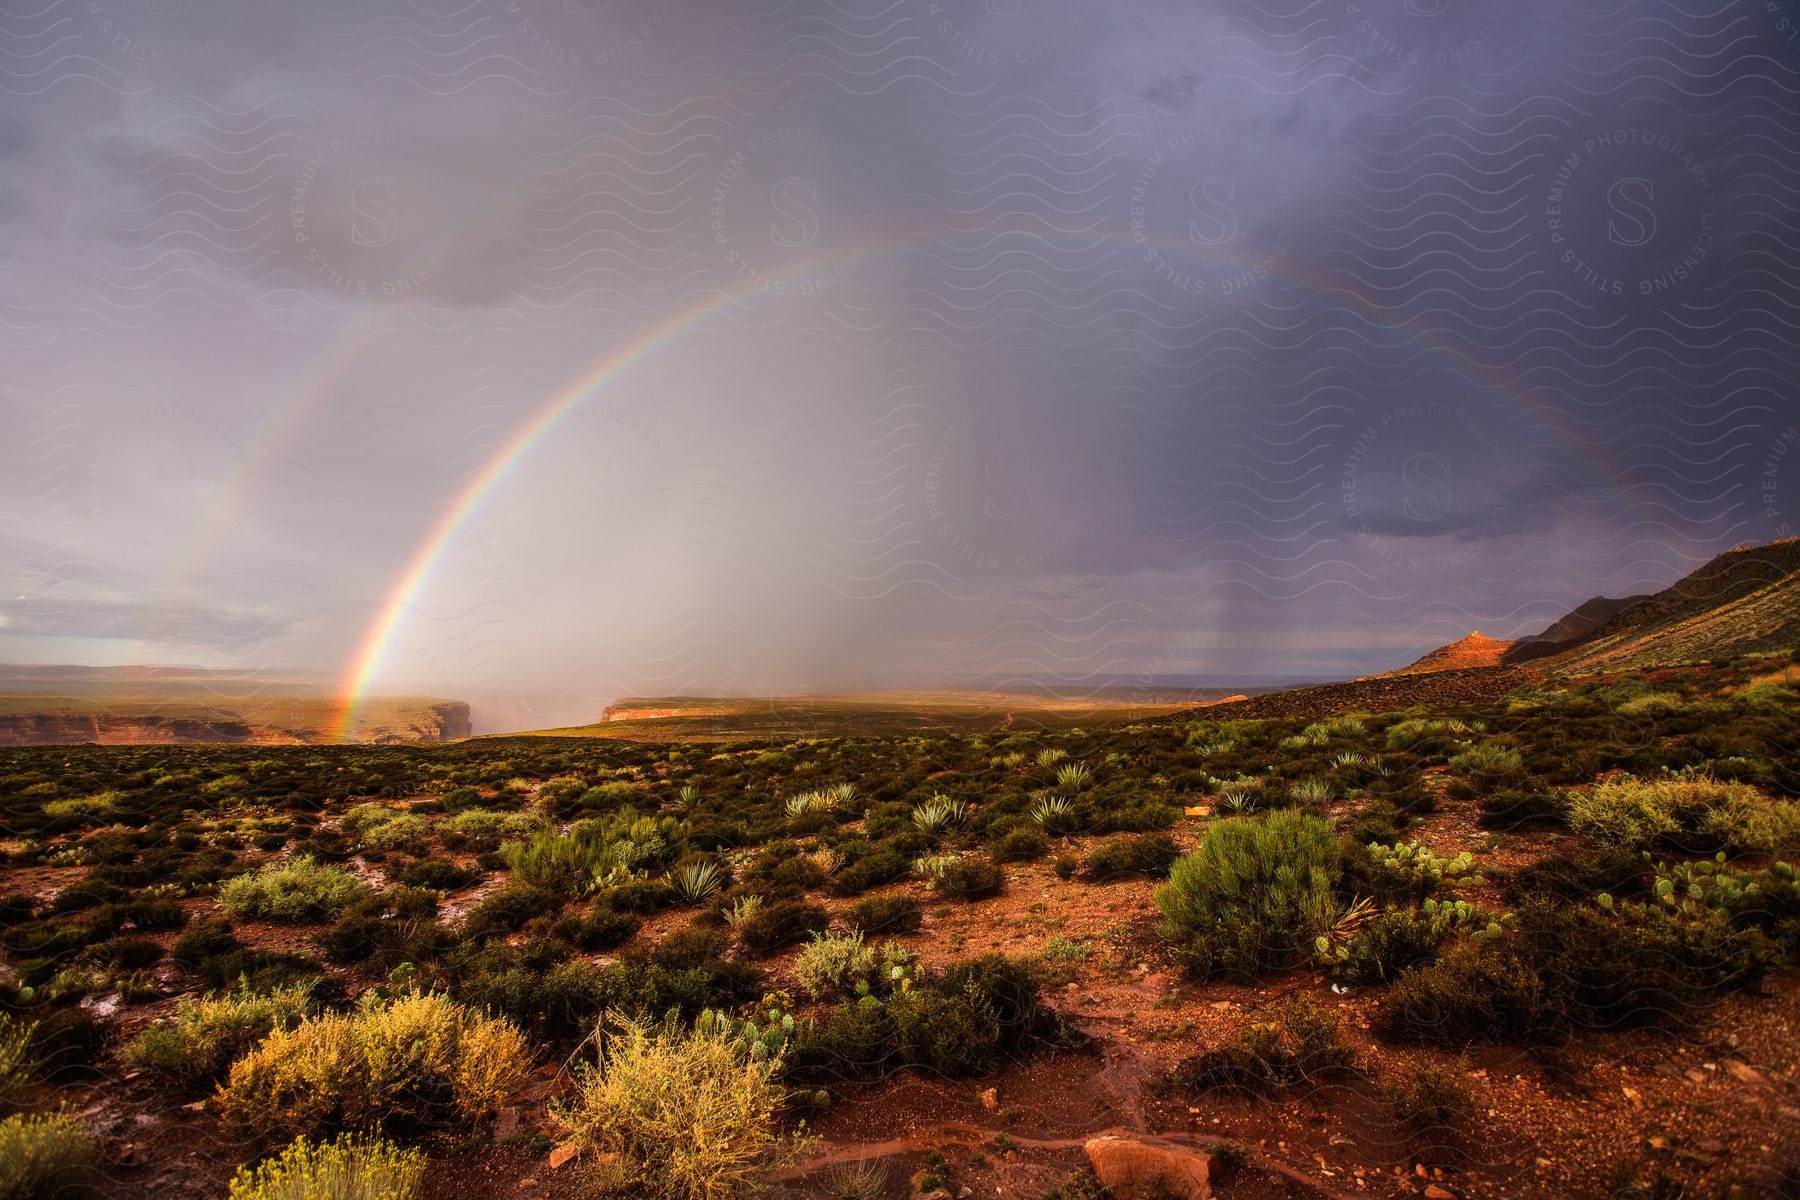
(402, 598)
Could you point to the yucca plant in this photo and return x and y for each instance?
(841, 793)
(1073, 776)
(697, 881)
(1049, 757)
(939, 813)
(1014, 759)
(1053, 811)
(1237, 803)
(689, 795)
(1312, 791)
(1346, 759)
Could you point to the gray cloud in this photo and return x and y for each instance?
(1037, 340)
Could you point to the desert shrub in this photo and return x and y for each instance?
(1021, 845)
(1152, 854)
(438, 874)
(348, 1168)
(1569, 968)
(1432, 1100)
(1132, 815)
(883, 865)
(885, 914)
(1473, 994)
(1388, 945)
(43, 1155)
(967, 878)
(690, 1114)
(1632, 812)
(601, 928)
(964, 1022)
(1300, 1043)
(209, 1032)
(782, 924)
(537, 985)
(459, 799)
(1488, 760)
(509, 909)
(1652, 704)
(971, 1016)
(298, 889)
(419, 1059)
(1579, 878)
(1253, 896)
(1515, 808)
(839, 962)
(16, 1062)
(381, 828)
(554, 862)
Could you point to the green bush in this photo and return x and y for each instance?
(1253, 896)
(1299, 1044)
(968, 878)
(208, 1033)
(1021, 845)
(1689, 813)
(1569, 968)
(1152, 854)
(1388, 945)
(349, 1168)
(782, 924)
(298, 889)
(885, 914)
(43, 1155)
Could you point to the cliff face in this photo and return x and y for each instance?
(441, 722)
(39, 729)
(454, 718)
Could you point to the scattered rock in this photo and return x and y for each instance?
(1139, 1169)
(1743, 1072)
(990, 1099)
(560, 1155)
(1434, 1192)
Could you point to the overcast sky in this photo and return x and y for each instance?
(969, 342)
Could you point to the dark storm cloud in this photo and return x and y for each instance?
(991, 342)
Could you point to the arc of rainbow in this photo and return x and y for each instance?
(402, 597)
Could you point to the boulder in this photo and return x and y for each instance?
(1143, 1168)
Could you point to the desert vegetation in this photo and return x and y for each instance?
(362, 966)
